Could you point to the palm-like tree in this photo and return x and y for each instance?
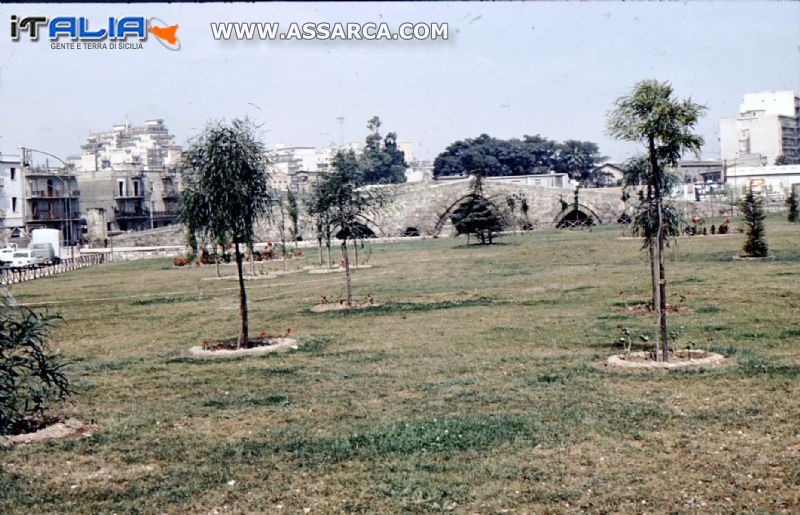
(652, 116)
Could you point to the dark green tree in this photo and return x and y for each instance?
(381, 162)
(752, 207)
(477, 215)
(579, 159)
(530, 155)
(793, 204)
(227, 191)
(651, 115)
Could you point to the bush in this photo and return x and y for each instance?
(793, 203)
(753, 212)
(31, 375)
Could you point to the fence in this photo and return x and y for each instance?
(19, 275)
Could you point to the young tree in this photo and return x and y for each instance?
(477, 215)
(524, 207)
(752, 208)
(317, 209)
(793, 203)
(347, 206)
(651, 115)
(293, 210)
(282, 229)
(227, 191)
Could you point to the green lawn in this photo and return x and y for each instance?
(471, 389)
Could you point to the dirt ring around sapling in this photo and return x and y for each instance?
(678, 359)
(276, 345)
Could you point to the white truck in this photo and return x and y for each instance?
(41, 238)
(24, 257)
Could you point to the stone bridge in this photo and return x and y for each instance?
(424, 208)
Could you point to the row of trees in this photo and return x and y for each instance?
(228, 193)
(529, 155)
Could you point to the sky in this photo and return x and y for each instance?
(507, 69)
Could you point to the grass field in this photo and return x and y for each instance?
(471, 389)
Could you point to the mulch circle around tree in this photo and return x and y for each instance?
(642, 361)
(227, 348)
(51, 428)
(341, 306)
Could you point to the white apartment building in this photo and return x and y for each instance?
(12, 198)
(768, 126)
(149, 147)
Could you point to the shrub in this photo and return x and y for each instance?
(753, 211)
(793, 204)
(31, 375)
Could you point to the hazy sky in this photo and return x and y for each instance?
(508, 69)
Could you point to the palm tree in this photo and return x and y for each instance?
(651, 115)
(228, 192)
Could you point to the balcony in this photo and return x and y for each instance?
(52, 217)
(131, 215)
(56, 194)
(168, 194)
(129, 196)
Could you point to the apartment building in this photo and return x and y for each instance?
(12, 199)
(766, 131)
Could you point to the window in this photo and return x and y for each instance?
(13, 204)
(13, 173)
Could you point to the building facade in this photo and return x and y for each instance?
(767, 128)
(772, 182)
(131, 175)
(52, 201)
(12, 199)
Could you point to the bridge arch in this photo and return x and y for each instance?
(576, 215)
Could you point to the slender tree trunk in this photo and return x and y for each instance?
(319, 244)
(355, 251)
(651, 252)
(242, 299)
(217, 258)
(346, 259)
(283, 238)
(328, 246)
(662, 285)
(661, 309)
